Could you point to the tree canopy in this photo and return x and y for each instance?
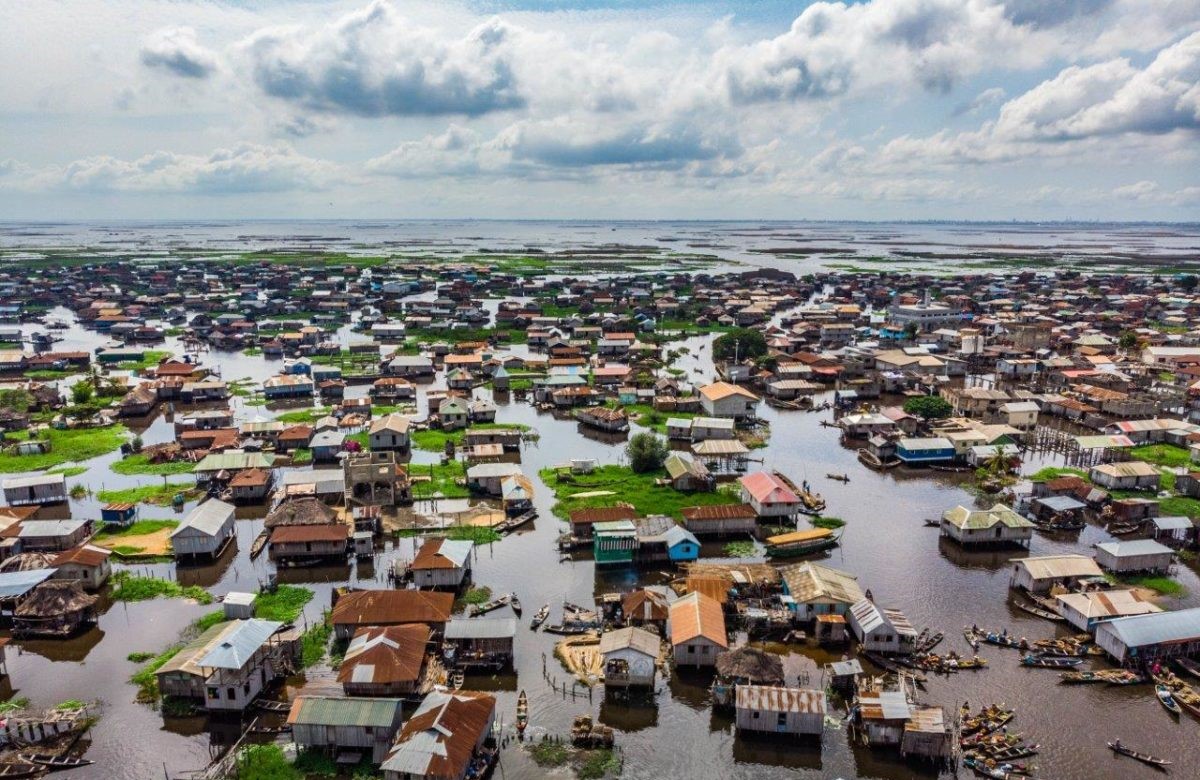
(646, 452)
(929, 407)
(739, 344)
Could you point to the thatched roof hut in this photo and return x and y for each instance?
(54, 608)
(751, 665)
(301, 511)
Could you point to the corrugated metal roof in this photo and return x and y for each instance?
(207, 517)
(240, 644)
(771, 698)
(344, 711)
(1134, 547)
(18, 583)
(630, 637)
(481, 628)
(1141, 630)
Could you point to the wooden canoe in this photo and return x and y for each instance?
(1145, 758)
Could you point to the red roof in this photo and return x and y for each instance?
(767, 488)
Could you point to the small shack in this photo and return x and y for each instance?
(337, 726)
(630, 657)
(770, 709)
(205, 532)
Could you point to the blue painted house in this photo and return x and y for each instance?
(682, 545)
(934, 449)
(119, 514)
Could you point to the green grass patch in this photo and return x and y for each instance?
(13, 705)
(264, 762)
(303, 416)
(284, 605)
(1164, 586)
(145, 679)
(139, 657)
(827, 522)
(1053, 472)
(597, 764)
(549, 754)
(477, 596)
(202, 624)
(739, 550)
(150, 359)
(1179, 506)
(50, 374)
(315, 642)
(162, 495)
(70, 704)
(140, 528)
(1162, 454)
(472, 533)
(140, 464)
(619, 483)
(443, 480)
(129, 587)
(434, 439)
(66, 446)
(69, 471)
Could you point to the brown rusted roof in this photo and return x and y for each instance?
(604, 514)
(83, 554)
(696, 615)
(644, 605)
(455, 720)
(392, 607)
(719, 512)
(385, 654)
(292, 534)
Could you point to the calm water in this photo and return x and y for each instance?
(674, 732)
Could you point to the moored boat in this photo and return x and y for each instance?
(54, 763)
(798, 543)
(539, 617)
(1049, 662)
(1145, 758)
(1189, 666)
(1167, 699)
(522, 714)
(515, 603)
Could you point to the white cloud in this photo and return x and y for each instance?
(246, 168)
(176, 50)
(375, 62)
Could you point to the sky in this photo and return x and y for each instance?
(621, 109)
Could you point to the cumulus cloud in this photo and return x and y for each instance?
(986, 99)
(375, 63)
(458, 151)
(1147, 191)
(832, 48)
(1050, 13)
(1074, 110)
(582, 145)
(246, 168)
(175, 49)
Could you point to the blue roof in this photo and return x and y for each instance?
(1160, 627)
(240, 644)
(18, 583)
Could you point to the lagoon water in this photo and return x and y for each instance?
(672, 733)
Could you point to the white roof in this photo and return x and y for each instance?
(207, 518)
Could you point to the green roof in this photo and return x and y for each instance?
(331, 711)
